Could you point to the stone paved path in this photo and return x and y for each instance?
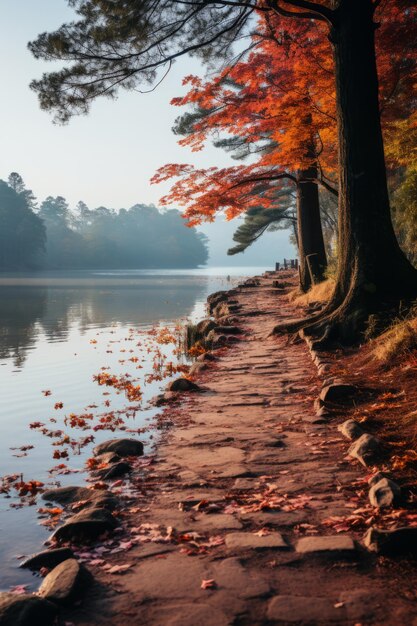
(253, 472)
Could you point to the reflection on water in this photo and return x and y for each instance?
(53, 302)
(26, 312)
(57, 330)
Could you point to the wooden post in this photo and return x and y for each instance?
(296, 264)
(277, 265)
(314, 268)
(285, 264)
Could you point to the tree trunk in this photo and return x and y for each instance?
(372, 267)
(310, 233)
(373, 273)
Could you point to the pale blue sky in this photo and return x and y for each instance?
(106, 158)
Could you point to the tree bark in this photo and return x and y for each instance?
(310, 234)
(372, 267)
(373, 272)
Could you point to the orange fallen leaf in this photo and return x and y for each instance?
(52, 511)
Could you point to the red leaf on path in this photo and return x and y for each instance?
(46, 392)
(208, 584)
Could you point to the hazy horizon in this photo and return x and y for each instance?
(107, 157)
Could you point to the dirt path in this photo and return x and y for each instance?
(252, 473)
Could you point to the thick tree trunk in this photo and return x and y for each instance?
(372, 267)
(373, 273)
(310, 233)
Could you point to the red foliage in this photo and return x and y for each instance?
(280, 103)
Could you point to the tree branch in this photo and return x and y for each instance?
(313, 11)
(257, 179)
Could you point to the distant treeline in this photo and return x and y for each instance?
(52, 236)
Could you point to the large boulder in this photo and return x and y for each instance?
(392, 542)
(47, 558)
(218, 341)
(351, 430)
(115, 470)
(89, 497)
(204, 327)
(26, 610)
(385, 493)
(223, 309)
(216, 298)
(122, 447)
(367, 450)
(229, 330)
(69, 494)
(86, 526)
(339, 393)
(108, 458)
(64, 583)
(183, 384)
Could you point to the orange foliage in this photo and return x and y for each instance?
(279, 102)
(133, 392)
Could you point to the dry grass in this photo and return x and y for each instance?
(399, 341)
(318, 293)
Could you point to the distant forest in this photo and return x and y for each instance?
(50, 235)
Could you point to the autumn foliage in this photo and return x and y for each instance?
(277, 105)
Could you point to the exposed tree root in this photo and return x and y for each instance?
(344, 324)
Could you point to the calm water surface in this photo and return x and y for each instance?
(57, 330)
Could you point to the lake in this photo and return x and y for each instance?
(57, 331)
